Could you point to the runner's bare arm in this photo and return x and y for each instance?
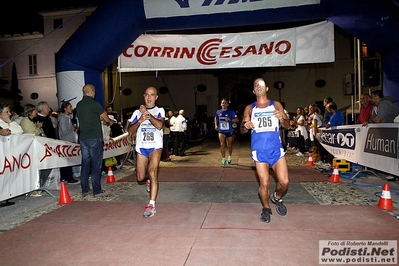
(246, 123)
(281, 115)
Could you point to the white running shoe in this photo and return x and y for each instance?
(149, 211)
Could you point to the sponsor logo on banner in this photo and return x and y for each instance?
(288, 47)
(382, 141)
(343, 138)
(272, 48)
(174, 8)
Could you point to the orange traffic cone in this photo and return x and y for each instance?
(385, 202)
(111, 177)
(64, 195)
(310, 160)
(335, 175)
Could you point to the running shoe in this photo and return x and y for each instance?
(223, 162)
(149, 211)
(280, 207)
(265, 215)
(148, 185)
(229, 160)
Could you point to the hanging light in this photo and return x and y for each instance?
(163, 90)
(201, 88)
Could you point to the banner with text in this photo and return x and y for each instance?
(253, 49)
(374, 146)
(19, 165)
(174, 8)
(22, 156)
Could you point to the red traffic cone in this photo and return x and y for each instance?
(385, 202)
(334, 178)
(310, 160)
(111, 177)
(64, 195)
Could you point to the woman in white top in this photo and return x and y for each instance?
(317, 122)
(299, 122)
(6, 122)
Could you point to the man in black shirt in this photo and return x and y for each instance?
(43, 111)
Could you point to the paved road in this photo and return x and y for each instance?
(206, 155)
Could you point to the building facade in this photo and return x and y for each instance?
(33, 55)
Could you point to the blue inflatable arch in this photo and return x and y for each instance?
(115, 24)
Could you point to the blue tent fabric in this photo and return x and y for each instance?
(115, 24)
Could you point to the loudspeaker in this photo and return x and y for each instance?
(348, 84)
(370, 72)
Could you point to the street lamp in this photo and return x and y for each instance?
(279, 85)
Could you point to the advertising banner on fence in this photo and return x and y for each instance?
(58, 153)
(374, 146)
(22, 156)
(19, 165)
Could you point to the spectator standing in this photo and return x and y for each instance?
(337, 118)
(300, 124)
(67, 131)
(224, 119)
(366, 108)
(91, 141)
(147, 122)
(264, 117)
(384, 110)
(43, 115)
(180, 127)
(326, 114)
(316, 122)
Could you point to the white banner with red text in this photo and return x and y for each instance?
(22, 156)
(374, 146)
(287, 47)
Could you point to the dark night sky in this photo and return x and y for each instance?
(20, 17)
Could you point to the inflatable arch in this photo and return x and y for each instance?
(115, 24)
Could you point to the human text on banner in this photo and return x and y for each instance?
(374, 146)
